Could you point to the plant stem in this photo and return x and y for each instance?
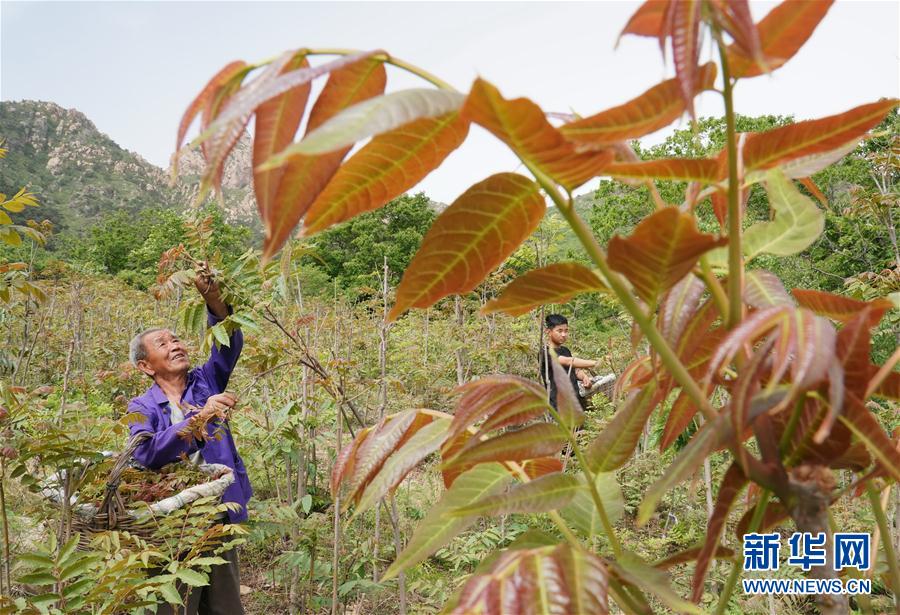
(592, 486)
(886, 540)
(383, 56)
(714, 286)
(6, 554)
(758, 513)
(735, 256)
(589, 242)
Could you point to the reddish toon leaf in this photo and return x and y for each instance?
(867, 429)
(276, 122)
(734, 17)
(501, 400)
(685, 20)
(678, 307)
(418, 444)
(523, 126)
(571, 414)
(551, 579)
(542, 466)
(385, 438)
(806, 345)
(469, 239)
(810, 185)
(781, 33)
(775, 514)
(539, 440)
(389, 165)
(680, 416)
(662, 249)
(304, 177)
(654, 109)
(764, 289)
(704, 170)
(807, 147)
(202, 100)
(853, 351)
(841, 308)
(451, 448)
(732, 483)
(648, 20)
(222, 126)
(889, 387)
(618, 438)
(556, 283)
(345, 462)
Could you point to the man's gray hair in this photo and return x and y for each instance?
(137, 351)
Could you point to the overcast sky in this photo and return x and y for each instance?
(132, 67)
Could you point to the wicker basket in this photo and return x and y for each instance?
(113, 514)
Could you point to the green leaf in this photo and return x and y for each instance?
(798, 221)
(68, 549)
(221, 335)
(306, 503)
(426, 441)
(36, 559)
(372, 117)
(38, 578)
(244, 321)
(44, 600)
(207, 561)
(194, 578)
(438, 527)
(170, 593)
(78, 567)
(79, 587)
(615, 444)
(581, 513)
(548, 492)
(633, 571)
(690, 457)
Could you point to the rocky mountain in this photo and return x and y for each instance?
(79, 173)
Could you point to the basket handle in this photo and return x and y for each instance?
(112, 504)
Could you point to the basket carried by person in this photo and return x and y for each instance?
(114, 514)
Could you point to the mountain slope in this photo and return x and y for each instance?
(79, 174)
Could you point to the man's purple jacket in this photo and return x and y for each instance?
(166, 446)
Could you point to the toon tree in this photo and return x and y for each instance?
(781, 380)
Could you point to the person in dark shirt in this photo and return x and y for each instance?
(557, 330)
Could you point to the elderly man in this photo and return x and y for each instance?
(177, 393)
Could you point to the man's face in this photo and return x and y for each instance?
(558, 334)
(166, 355)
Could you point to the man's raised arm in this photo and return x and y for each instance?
(222, 359)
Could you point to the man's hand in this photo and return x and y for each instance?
(218, 404)
(208, 288)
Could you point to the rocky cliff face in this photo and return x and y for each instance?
(79, 173)
(237, 180)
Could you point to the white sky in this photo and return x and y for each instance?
(132, 67)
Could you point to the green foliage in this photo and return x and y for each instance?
(130, 247)
(352, 254)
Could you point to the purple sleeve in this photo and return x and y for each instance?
(222, 359)
(164, 446)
